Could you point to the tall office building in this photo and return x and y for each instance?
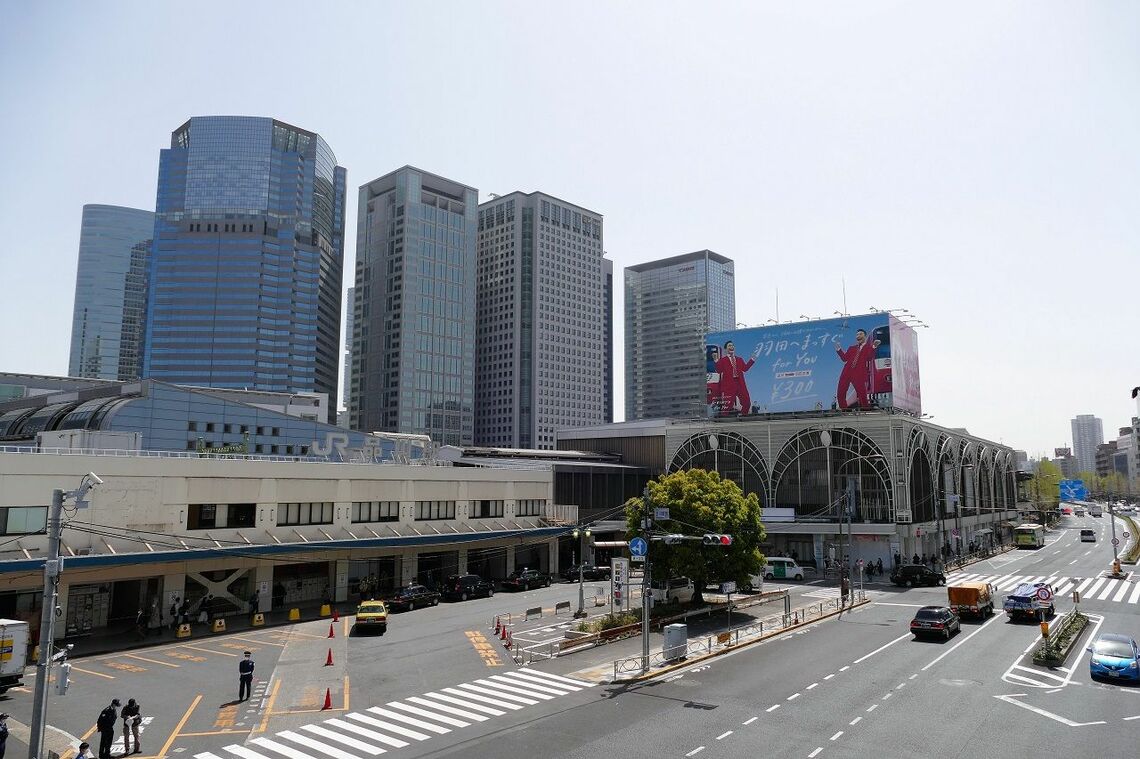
(245, 278)
(1088, 433)
(608, 338)
(108, 319)
(670, 305)
(542, 322)
(413, 357)
(349, 323)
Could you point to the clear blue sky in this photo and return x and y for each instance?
(976, 163)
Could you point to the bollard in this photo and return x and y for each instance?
(219, 626)
(258, 620)
(183, 631)
(1045, 630)
(294, 615)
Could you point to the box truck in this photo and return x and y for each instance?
(13, 652)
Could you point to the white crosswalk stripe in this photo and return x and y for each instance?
(377, 730)
(1090, 588)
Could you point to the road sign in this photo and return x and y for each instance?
(1116, 541)
(660, 513)
(728, 587)
(1044, 594)
(638, 548)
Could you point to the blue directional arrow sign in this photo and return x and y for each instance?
(638, 547)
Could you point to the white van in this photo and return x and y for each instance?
(677, 590)
(779, 568)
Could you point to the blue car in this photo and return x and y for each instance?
(1115, 657)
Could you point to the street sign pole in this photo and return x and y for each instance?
(645, 592)
(1115, 542)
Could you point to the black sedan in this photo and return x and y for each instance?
(526, 579)
(589, 572)
(406, 599)
(935, 620)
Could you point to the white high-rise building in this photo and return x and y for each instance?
(350, 303)
(543, 321)
(1088, 433)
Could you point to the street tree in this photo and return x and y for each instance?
(701, 502)
(1044, 487)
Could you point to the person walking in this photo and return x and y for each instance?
(245, 677)
(3, 733)
(131, 720)
(106, 726)
(254, 606)
(140, 624)
(879, 567)
(174, 614)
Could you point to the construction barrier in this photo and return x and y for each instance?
(219, 626)
(258, 620)
(325, 610)
(536, 611)
(560, 606)
(183, 631)
(294, 615)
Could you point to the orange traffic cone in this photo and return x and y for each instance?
(497, 626)
(336, 617)
(332, 633)
(328, 699)
(328, 661)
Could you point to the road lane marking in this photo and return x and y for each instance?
(913, 676)
(872, 707)
(497, 693)
(828, 677)
(696, 751)
(886, 696)
(815, 753)
(1074, 561)
(91, 672)
(813, 685)
(900, 686)
(1111, 586)
(836, 736)
(772, 708)
(1095, 587)
(430, 715)
(389, 727)
(793, 697)
(470, 704)
(1084, 584)
(855, 721)
(877, 650)
(724, 735)
(844, 668)
(1012, 699)
(749, 721)
(152, 661)
(269, 707)
(410, 720)
(959, 643)
(181, 724)
(207, 650)
(1127, 719)
(308, 742)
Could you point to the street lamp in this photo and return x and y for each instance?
(581, 535)
(53, 568)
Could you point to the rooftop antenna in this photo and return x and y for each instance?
(777, 305)
(844, 281)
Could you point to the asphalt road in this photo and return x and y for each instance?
(856, 685)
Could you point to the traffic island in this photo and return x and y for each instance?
(1059, 639)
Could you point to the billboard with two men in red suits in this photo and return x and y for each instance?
(868, 361)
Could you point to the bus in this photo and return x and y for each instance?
(1029, 536)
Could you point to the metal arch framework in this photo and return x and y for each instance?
(844, 440)
(922, 499)
(730, 455)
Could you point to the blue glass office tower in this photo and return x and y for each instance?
(108, 320)
(245, 277)
(413, 353)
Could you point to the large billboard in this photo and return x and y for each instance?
(854, 362)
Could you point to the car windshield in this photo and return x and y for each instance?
(1117, 648)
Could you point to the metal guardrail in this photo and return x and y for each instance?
(760, 629)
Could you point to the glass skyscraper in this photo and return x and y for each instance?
(108, 320)
(413, 353)
(245, 277)
(670, 305)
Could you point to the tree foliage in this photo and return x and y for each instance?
(1045, 485)
(701, 502)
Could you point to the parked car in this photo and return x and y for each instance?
(972, 598)
(462, 587)
(589, 572)
(371, 616)
(525, 579)
(916, 574)
(781, 568)
(935, 620)
(1116, 657)
(676, 590)
(408, 598)
(1088, 536)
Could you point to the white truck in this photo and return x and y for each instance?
(13, 653)
(1095, 510)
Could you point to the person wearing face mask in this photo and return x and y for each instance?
(245, 676)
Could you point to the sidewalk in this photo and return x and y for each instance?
(124, 637)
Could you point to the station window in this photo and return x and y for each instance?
(486, 509)
(201, 516)
(428, 510)
(530, 507)
(304, 513)
(375, 511)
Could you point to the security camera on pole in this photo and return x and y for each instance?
(53, 568)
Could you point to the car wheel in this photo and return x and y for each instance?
(352, 631)
(799, 577)
(907, 584)
(526, 586)
(435, 602)
(463, 596)
(411, 605)
(768, 576)
(548, 582)
(941, 580)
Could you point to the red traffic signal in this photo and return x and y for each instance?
(711, 539)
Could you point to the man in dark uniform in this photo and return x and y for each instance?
(106, 725)
(3, 734)
(245, 676)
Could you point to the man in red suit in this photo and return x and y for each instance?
(733, 388)
(857, 362)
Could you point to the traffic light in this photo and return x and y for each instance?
(62, 679)
(716, 540)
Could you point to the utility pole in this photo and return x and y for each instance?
(53, 568)
(645, 590)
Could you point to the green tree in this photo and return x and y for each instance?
(1045, 485)
(702, 502)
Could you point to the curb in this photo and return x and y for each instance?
(1062, 656)
(688, 662)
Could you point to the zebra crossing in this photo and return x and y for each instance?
(1091, 588)
(397, 724)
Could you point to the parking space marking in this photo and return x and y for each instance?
(207, 650)
(178, 728)
(153, 661)
(90, 672)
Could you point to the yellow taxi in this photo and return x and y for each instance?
(371, 616)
